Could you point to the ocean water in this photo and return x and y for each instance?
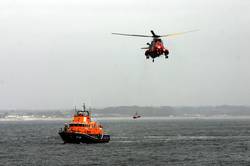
(133, 142)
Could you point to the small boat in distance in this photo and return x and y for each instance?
(83, 130)
(135, 116)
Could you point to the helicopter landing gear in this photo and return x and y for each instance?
(147, 57)
(153, 60)
(166, 52)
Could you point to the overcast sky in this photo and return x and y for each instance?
(60, 53)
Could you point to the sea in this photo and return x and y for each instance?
(139, 142)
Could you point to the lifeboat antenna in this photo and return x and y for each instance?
(89, 111)
(75, 110)
(83, 107)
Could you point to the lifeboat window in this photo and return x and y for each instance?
(72, 125)
(83, 125)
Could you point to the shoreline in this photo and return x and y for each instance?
(130, 118)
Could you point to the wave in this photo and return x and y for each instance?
(204, 137)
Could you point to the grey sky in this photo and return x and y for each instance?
(58, 53)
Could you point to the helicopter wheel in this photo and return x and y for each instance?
(147, 57)
(166, 56)
(153, 60)
(166, 53)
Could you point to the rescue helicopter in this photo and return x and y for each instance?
(156, 47)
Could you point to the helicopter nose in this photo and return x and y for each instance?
(159, 47)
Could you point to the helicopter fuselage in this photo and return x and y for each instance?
(156, 49)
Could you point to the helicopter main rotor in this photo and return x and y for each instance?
(153, 34)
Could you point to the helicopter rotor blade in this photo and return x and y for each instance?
(179, 33)
(124, 34)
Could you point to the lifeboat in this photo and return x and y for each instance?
(83, 130)
(135, 116)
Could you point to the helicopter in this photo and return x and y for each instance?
(156, 47)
